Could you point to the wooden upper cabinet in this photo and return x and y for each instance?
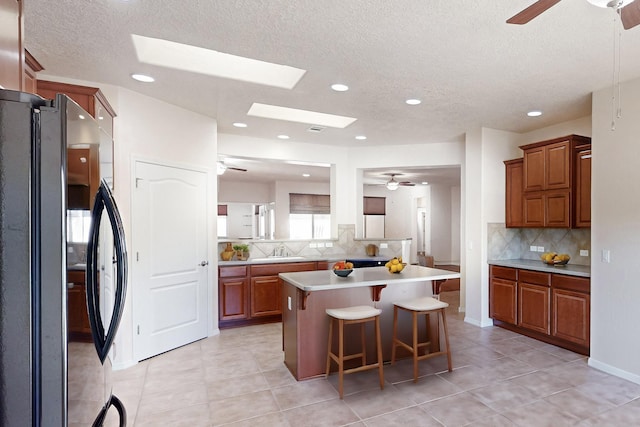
(31, 68)
(91, 99)
(547, 166)
(11, 48)
(556, 184)
(582, 192)
(514, 203)
(557, 165)
(534, 169)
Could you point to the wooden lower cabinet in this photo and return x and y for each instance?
(252, 293)
(533, 307)
(78, 325)
(571, 300)
(265, 296)
(503, 294)
(554, 308)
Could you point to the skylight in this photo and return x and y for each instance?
(185, 57)
(300, 116)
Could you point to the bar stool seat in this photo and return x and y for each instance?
(420, 306)
(361, 315)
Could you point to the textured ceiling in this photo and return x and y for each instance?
(469, 67)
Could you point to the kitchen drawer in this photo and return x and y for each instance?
(275, 269)
(571, 283)
(507, 273)
(235, 271)
(534, 277)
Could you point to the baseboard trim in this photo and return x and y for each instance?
(604, 367)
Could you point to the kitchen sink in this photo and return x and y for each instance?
(278, 258)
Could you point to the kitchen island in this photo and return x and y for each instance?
(306, 296)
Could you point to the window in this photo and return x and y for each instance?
(78, 224)
(309, 216)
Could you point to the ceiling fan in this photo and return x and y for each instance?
(222, 168)
(393, 185)
(629, 11)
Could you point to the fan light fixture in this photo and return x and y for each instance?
(392, 184)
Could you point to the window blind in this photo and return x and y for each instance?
(309, 203)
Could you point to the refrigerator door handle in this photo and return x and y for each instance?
(103, 338)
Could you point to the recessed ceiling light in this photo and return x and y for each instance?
(213, 63)
(424, 183)
(361, 137)
(339, 87)
(240, 125)
(143, 78)
(413, 101)
(283, 136)
(306, 175)
(300, 116)
(534, 113)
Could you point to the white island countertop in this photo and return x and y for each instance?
(323, 280)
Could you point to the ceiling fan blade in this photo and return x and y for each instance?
(630, 15)
(531, 12)
(406, 183)
(236, 169)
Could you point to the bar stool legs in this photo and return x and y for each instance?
(420, 306)
(347, 316)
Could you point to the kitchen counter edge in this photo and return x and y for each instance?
(528, 264)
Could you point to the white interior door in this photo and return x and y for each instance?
(169, 257)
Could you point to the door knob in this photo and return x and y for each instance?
(204, 263)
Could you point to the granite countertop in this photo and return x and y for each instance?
(275, 260)
(529, 264)
(323, 280)
(77, 267)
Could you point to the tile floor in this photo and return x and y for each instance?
(500, 379)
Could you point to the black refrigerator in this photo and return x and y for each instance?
(45, 380)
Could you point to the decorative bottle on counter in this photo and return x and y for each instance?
(228, 252)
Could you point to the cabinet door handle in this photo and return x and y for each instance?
(204, 263)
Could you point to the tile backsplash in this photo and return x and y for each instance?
(345, 245)
(515, 243)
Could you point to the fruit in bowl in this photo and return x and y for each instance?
(552, 258)
(395, 265)
(343, 268)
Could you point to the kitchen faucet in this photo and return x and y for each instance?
(280, 251)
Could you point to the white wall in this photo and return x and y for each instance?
(154, 130)
(483, 190)
(615, 226)
(441, 215)
(244, 192)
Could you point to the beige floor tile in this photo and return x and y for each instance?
(274, 419)
(173, 398)
(578, 404)
(541, 383)
(428, 388)
(224, 388)
(458, 410)
(304, 393)
(188, 416)
(413, 416)
(540, 414)
(539, 359)
(371, 403)
(242, 407)
(328, 413)
(611, 389)
(238, 378)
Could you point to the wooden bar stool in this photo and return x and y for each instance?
(416, 307)
(353, 315)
